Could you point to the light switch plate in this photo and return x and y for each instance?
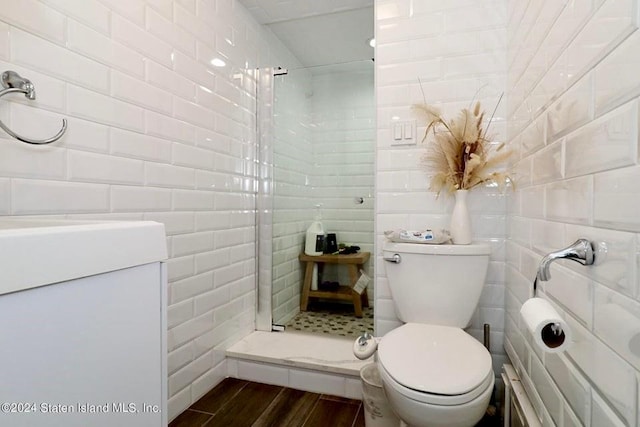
(403, 132)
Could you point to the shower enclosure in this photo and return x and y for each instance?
(316, 128)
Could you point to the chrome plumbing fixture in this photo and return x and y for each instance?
(364, 339)
(395, 258)
(365, 345)
(581, 251)
(487, 336)
(14, 83)
(556, 328)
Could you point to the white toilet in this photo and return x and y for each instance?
(434, 373)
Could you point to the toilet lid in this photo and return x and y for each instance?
(434, 359)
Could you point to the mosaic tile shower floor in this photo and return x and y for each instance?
(332, 319)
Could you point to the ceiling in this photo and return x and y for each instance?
(319, 32)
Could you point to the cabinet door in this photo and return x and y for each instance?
(86, 352)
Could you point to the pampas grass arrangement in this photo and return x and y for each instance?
(461, 156)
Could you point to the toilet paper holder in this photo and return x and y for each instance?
(580, 251)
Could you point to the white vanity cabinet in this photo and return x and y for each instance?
(82, 324)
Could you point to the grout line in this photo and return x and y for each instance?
(223, 405)
(315, 404)
(355, 419)
(340, 399)
(198, 411)
(272, 404)
(206, 423)
(232, 397)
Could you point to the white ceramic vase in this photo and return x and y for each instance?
(460, 227)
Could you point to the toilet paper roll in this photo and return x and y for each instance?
(543, 320)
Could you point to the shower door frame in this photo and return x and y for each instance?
(264, 196)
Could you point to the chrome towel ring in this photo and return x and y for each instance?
(14, 83)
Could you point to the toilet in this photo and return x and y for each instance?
(434, 373)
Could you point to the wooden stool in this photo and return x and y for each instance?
(353, 262)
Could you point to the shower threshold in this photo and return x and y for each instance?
(316, 363)
(324, 353)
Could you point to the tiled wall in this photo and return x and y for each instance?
(343, 104)
(457, 50)
(573, 91)
(155, 132)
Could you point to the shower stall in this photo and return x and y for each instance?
(316, 146)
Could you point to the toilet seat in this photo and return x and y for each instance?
(437, 399)
(441, 365)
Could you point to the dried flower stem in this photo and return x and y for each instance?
(461, 156)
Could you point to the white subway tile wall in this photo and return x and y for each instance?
(573, 112)
(447, 54)
(343, 108)
(156, 132)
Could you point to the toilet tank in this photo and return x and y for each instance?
(436, 284)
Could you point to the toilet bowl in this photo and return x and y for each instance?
(435, 375)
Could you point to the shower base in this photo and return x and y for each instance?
(332, 319)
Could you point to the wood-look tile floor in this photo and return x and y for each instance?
(238, 403)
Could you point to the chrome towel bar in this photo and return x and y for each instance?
(14, 83)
